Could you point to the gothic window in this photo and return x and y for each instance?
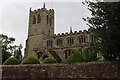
(47, 19)
(59, 42)
(50, 21)
(68, 53)
(34, 19)
(93, 39)
(70, 41)
(82, 39)
(38, 19)
(49, 43)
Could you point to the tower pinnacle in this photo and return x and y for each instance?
(44, 5)
(70, 29)
(30, 9)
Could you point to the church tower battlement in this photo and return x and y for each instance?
(41, 22)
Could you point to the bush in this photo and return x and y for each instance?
(84, 56)
(75, 57)
(11, 61)
(49, 60)
(31, 59)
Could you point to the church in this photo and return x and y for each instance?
(42, 39)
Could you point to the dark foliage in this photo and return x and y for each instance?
(105, 23)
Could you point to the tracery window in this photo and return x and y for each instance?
(38, 19)
(34, 19)
(47, 19)
(93, 39)
(50, 21)
(68, 53)
(49, 43)
(70, 41)
(82, 39)
(59, 42)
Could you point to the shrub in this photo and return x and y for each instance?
(75, 57)
(11, 61)
(31, 59)
(84, 56)
(49, 60)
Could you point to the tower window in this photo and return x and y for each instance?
(47, 19)
(34, 19)
(38, 19)
(50, 21)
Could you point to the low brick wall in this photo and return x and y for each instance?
(91, 70)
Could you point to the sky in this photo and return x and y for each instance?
(111, 0)
(14, 16)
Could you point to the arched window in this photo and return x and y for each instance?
(38, 19)
(59, 42)
(47, 19)
(49, 43)
(82, 39)
(68, 53)
(93, 39)
(70, 41)
(34, 19)
(50, 21)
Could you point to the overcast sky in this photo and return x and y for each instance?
(14, 17)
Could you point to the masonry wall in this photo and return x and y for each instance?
(91, 70)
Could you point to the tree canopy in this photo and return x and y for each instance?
(105, 23)
(8, 48)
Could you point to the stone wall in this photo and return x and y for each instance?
(91, 70)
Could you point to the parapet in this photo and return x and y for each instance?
(42, 9)
(74, 33)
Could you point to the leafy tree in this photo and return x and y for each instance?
(18, 53)
(5, 43)
(7, 47)
(105, 23)
(83, 56)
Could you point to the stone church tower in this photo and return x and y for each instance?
(41, 25)
(42, 40)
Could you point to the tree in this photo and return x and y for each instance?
(105, 23)
(82, 56)
(5, 43)
(7, 47)
(18, 53)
